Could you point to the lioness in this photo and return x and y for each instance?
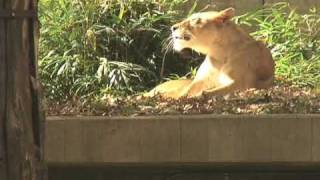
(234, 60)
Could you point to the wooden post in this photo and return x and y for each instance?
(21, 121)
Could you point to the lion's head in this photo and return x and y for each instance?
(200, 30)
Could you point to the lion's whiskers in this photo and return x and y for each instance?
(168, 45)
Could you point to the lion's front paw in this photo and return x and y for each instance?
(195, 95)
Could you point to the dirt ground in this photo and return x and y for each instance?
(276, 100)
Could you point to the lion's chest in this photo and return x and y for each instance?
(211, 74)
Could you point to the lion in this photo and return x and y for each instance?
(234, 60)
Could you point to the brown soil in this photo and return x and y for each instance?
(279, 99)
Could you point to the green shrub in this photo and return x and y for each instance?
(88, 48)
(115, 46)
(293, 38)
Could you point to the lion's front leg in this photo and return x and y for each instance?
(222, 90)
(195, 89)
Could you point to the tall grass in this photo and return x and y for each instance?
(99, 46)
(111, 46)
(294, 39)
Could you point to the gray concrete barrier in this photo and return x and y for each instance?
(289, 139)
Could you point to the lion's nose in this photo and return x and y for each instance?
(174, 27)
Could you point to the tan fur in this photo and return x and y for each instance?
(234, 60)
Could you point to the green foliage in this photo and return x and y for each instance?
(92, 47)
(190, 75)
(88, 49)
(293, 38)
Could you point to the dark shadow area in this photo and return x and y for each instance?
(181, 173)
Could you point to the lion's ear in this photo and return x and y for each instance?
(225, 15)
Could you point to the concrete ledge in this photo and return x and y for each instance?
(197, 139)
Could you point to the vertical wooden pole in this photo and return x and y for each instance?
(21, 135)
(2, 95)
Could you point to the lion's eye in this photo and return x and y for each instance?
(198, 20)
(195, 21)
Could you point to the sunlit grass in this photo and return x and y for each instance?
(88, 49)
(294, 40)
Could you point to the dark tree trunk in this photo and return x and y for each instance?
(21, 121)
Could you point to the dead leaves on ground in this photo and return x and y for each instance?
(276, 100)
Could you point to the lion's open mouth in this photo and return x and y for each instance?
(185, 37)
(180, 41)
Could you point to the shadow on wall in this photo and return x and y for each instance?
(147, 173)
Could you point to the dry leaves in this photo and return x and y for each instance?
(279, 99)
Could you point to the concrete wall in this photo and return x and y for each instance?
(208, 139)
